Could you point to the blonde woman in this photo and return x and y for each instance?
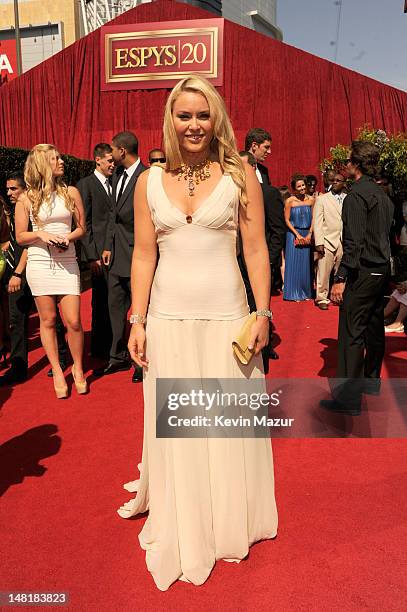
(207, 498)
(52, 271)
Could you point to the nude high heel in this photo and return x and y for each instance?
(60, 391)
(81, 387)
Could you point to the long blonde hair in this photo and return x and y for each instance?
(40, 182)
(223, 144)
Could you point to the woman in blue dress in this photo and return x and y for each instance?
(298, 217)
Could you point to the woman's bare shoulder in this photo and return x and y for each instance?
(73, 191)
(143, 178)
(24, 201)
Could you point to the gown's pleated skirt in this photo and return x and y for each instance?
(209, 498)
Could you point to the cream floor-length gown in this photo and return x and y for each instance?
(208, 498)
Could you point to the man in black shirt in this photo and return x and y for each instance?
(20, 300)
(360, 282)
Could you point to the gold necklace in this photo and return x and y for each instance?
(194, 174)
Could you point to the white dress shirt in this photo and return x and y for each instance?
(258, 174)
(104, 180)
(339, 196)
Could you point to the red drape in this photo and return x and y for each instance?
(308, 104)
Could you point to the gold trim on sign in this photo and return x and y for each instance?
(169, 76)
(165, 33)
(212, 32)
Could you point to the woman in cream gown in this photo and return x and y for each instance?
(208, 498)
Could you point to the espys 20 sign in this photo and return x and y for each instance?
(158, 55)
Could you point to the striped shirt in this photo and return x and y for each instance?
(367, 215)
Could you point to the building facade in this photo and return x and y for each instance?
(48, 26)
(258, 15)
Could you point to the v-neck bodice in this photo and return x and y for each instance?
(207, 200)
(219, 209)
(197, 276)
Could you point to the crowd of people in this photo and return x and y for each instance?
(303, 229)
(190, 246)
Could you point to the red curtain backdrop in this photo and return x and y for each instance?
(308, 104)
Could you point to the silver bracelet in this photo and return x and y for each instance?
(137, 318)
(264, 313)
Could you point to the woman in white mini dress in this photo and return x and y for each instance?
(207, 498)
(52, 270)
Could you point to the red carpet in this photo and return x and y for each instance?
(342, 502)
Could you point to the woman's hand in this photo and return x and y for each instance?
(259, 337)
(48, 238)
(137, 344)
(60, 241)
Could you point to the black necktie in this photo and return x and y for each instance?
(108, 187)
(124, 179)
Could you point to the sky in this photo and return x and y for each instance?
(372, 35)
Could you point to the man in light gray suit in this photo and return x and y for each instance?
(119, 249)
(328, 236)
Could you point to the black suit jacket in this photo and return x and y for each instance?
(274, 222)
(264, 174)
(17, 249)
(120, 234)
(98, 207)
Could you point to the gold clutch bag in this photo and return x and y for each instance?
(240, 344)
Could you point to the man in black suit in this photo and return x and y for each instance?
(19, 295)
(275, 229)
(258, 143)
(96, 192)
(119, 248)
(360, 282)
(273, 216)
